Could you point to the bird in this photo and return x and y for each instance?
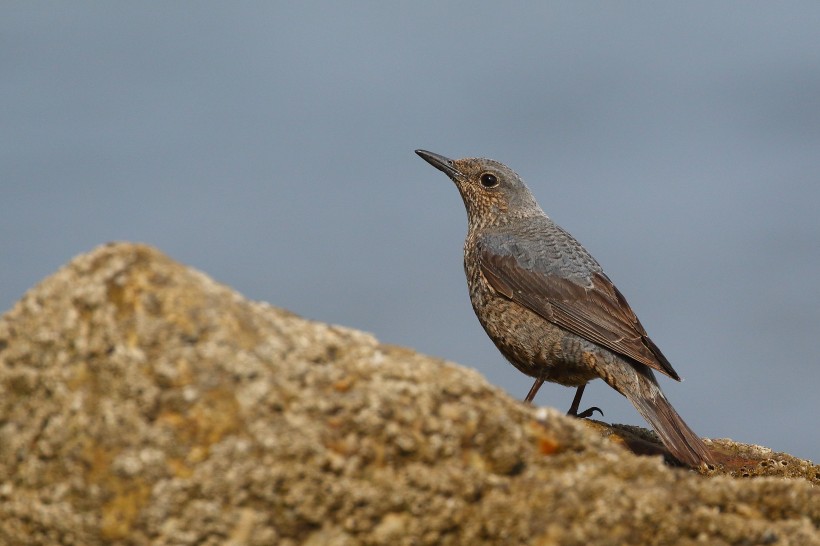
(548, 306)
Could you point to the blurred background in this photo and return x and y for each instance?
(271, 146)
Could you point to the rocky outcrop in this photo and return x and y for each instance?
(143, 403)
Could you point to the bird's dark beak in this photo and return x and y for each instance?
(440, 162)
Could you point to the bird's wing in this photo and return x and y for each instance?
(597, 312)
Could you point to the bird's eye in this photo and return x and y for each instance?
(489, 180)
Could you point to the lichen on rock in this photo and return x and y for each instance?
(143, 403)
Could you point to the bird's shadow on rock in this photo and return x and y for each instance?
(731, 458)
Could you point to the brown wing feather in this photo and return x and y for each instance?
(599, 313)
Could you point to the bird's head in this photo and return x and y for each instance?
(492, 192)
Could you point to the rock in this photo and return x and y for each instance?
(143, 403)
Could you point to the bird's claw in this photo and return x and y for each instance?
(589, 412)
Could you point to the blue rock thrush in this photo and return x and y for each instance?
(548, 306)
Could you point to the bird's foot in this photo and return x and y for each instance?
(589, 412)
(573, 409)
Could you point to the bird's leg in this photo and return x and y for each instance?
(573, 409)
(534, 389)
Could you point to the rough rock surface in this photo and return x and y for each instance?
(143, 403)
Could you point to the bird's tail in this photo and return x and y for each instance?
(679, 439)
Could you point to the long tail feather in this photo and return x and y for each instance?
(675, 434)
